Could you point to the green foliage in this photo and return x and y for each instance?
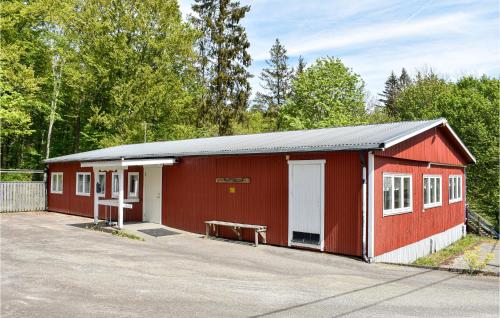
(224, 59)
(471, 107)
(276, 79)
(326, 94)
(474, 260)
(455, 249)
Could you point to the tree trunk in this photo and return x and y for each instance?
(57, 65)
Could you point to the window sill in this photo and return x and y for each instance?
(56, 192)
(132, 200)
(391, 213)
(455, 201)
(83, 194)
(428, 207)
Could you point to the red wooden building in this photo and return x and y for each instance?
(388, 192)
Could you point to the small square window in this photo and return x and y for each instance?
(397, 194)
(56, 182)
(454, 188)
(83, 183)
(133, 184)
(432, 191)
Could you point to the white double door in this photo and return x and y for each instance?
(306, 203)
(152, 194)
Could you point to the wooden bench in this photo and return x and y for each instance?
(236, 227)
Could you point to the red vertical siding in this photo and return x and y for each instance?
(69, 202)
(434, 145)
(191, 196)
(392, 232)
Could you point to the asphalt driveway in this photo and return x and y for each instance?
(50, 268)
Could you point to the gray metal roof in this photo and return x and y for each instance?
(366, 137)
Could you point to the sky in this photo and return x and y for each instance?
(373, 38)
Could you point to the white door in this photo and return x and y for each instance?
(306, 203)
(152, 194)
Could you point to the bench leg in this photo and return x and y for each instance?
(256, 238)
(207, 230)
(264, 237)
(217, 231)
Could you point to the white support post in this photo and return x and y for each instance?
(96, 197)
(120, 198)
(371, 206)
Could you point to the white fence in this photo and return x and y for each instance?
(22, 196)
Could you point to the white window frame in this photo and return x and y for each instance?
(434, 204)
(103, 194)
(132, 195)
(402, 210)
(52, 183)
(455, 178)
(113, 193)
(83, 174)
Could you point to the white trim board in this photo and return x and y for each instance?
(424, 247)
(127, 163)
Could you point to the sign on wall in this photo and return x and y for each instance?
(232, 180)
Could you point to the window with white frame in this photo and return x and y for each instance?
(398, 195)
(432, 191)
(455, 188)
(133, 184)
(115, 184)
(83, 183)
(56, 182)
(101, 184)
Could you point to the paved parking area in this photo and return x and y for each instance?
(50, 268)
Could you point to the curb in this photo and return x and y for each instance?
(448, 269)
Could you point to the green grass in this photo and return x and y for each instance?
(131, 236)
(119, 233)
(454, 249)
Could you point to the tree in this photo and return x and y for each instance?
(24, 69)
(301, 66)
(327, 94)
(390, 93)
(224, 61)
(277, 81)
(404, 79)
(471, 107)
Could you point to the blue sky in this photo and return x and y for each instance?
(453, 38)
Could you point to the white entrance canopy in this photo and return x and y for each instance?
(119, 166)
(126, 163)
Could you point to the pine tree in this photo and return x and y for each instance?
(277, 81)
(301, 66)
(390, 93)
(404, 79)
(224, 61)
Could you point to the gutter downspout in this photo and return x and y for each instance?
(362, 155)
(371, 206)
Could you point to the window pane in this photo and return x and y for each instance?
(101, 184)
(80, 183)
(59, 182)
(438, 190)
(133, 185)
(432, 188)
(426, 190)
(397, 192)
(387, 193)
(450, 188)
(115, 183)
(407, 194)
(87, 183)
(459, 194)
(455, 187)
